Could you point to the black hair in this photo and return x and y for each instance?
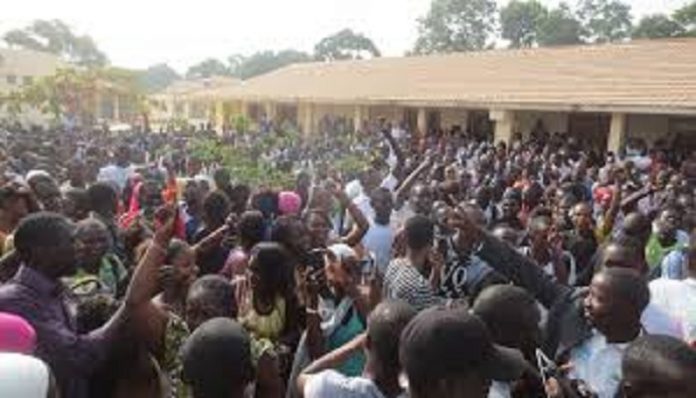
(506, 310)
(40, 230)
(649, 358)
(282, 228)
(218, 291)
(629, 286)
(102, 196)
(176, 246)
(252, 227)
(384, 327)
(216, 206)
(271, 261)
(217, 359)
(419, 232)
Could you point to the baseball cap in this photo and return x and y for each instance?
(441, 342)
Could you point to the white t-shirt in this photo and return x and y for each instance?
(378, 240)
(330, 383)
(116, 174)
(598, 363)
(678, 300)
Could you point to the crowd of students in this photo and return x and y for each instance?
(448, 266)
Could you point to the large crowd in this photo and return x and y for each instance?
(447, 266)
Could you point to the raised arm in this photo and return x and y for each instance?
(502, 257)
(360, 225)
(406, 185)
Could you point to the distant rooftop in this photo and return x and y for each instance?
(652, 76)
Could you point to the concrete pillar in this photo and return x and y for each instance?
(422, 122)
(243, 109)
(617, 132)
(219, 116)
(117, 108)
(504, 122)
(270, 110)
(306, 117)
(360, 113)
(97, 106)
(187, 110)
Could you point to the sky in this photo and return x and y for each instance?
(140, 33)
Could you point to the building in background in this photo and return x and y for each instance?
(606, 93)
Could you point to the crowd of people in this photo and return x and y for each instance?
(448, 266)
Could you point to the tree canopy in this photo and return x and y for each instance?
(157, 77)
(520, 22)
(686, 16)
(456, 25)
(605, 20)
(57, 37)
(207, 68)
(657, 26)
(345, 44)
(264, 62)
(560, 27)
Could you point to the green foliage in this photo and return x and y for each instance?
(657, 26)
(56, 37)
(264, 62)
(686, 16)
(74, 93)
(157, 77)
(520, 22)
(208, 68)
(560, 27)
(605, 20)
(345, 44)
(247, 166)
(456, 25)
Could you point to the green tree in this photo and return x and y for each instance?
(264, 62)
(456, 25)
(56, 37)
(157, 77)
(605, 20)
(345, 44)
(209, 67)
(520, 22)
(657, 26)
(686, 16)
(560, 27)
(74, 92)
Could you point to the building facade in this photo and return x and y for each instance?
(605, 93)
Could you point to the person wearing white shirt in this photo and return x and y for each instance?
(380, 379)
(379, 238)
(677, 298)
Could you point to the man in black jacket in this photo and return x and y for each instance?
(588, 327)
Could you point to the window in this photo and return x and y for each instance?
(11, 79)
(28, 80)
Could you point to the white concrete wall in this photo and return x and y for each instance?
(525, 121)
(648, 127)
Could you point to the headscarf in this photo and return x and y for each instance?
(289, 203)
(23, 376)
(16, 334)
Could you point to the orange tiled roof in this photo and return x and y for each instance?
(646, 76)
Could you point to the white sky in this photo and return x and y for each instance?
(139, 33)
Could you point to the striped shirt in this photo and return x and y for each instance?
(402, 281)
